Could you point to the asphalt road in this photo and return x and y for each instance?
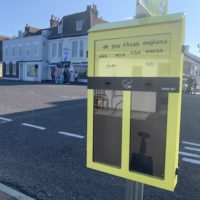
(47, 165)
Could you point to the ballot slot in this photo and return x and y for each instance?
(148, 127)
(107, 127)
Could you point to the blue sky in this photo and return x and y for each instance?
(14, 14)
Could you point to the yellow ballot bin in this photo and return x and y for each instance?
(134, 99)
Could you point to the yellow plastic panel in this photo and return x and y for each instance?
(150, 47)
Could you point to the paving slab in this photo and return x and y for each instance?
(4, 196)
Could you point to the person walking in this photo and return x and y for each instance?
(194, 86)
(76, 77)
(68, 76)
(53, 76)
(65, 77)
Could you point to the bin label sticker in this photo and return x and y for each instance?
(147, 55)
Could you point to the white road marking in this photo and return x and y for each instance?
(192, 149)
(191, 161)
(71, 135)
(70, 97)
(191, 143)
(11, 192)
(5, 119)
(34, 126)
(189, 154)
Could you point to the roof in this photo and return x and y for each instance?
(191, 58)
(3, 37)
(30, 30)
(89, 17)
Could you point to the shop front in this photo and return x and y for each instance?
(31, 71)
(79, 72)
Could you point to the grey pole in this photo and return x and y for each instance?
(134, 190)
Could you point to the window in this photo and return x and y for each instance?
(81, 71)
(79, 25)
(59, 49)
(7, 69)
(81, 50)
(14, 70)
(32, 70)
(28, 51)
(13, 51)
(54, 50)
(7, 52)
(20, 51)
(36, 50)
(60, 28)
(74, 49)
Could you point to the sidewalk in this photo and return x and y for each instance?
(4, 196)
(7, 193)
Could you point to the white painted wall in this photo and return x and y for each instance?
(66, 45)
(1, 70)
(24, 43)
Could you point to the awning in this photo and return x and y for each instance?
(51, 65)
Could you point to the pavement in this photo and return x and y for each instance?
(4, 196)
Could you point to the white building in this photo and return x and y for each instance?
(71, 53)
(68, 43)
(191, 67)
(24, 57)
(36, 53)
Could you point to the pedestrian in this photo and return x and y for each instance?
(65, 77)
(68, 76)
(53, 76)
(194, 86)
(190, 83)
(57, 77)
(76, 76)
(61, 78)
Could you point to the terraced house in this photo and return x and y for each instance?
(1, 53)
(67, 43)
(25, 55)
(35, 53)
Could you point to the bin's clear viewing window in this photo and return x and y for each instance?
(107, 127)
(148, 133)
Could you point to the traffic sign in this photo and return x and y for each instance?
(152, 7)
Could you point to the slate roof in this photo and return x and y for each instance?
(3, 37)
(89, 18)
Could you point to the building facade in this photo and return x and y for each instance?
(1, 53)
(67, 43)
(24, 58)
(35, 54)
(191, 68)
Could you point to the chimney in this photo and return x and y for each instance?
(89, 7)
(54, 21)
(187, 48)
(20, 34)
(26, 29)
(94, 10)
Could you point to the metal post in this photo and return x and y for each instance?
(134, 190)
